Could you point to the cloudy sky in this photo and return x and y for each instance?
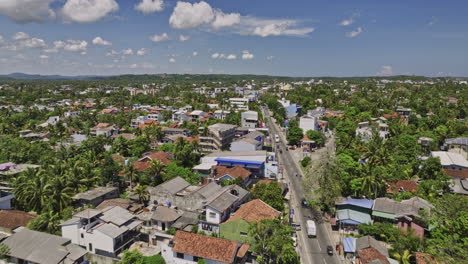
(275, 37)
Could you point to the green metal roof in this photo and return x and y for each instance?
(384, 215)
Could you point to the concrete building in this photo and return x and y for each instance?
(249, 119)
(105, 232)
(96, 196)
(457, 145)
(251, 142)
(219, 137)
(307, 123)
(28, 246)
(5, 198)
(239, 104)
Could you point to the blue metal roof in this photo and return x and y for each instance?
(247, 162)
(349, 244)
(365, 203)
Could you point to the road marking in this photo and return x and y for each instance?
(324, 261)
(319, 245)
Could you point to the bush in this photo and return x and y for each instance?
(305, 162)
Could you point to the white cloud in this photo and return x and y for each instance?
(246, 55)
(44, 57)
(83, 53)
(29, 43)
(183, 38)
(231, 57)
(222, 20)
(187, 15)
(100, 41)
(433, 21)
(354, 33)
(215, 55)
(142, 52)
(133, 66)
(127, 52)
(270, 58)
(87, 11)
(71, 45)
(195, 53)
(386, 70)
(20, 36)
(273, 27)
(150, 6)
(347, 22)
(160, 38)
(172, 60)
(27, 11)
(112, 53)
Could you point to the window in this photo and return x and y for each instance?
(195, 258)
(90, 247)
(82, 235)
(180, 255)
(212, 214)
(243, 233)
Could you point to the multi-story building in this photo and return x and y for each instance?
(239, 104)
(219, 137)
(249, 119)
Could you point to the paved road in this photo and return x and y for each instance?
(312, 250)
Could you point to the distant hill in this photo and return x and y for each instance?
(25, 76)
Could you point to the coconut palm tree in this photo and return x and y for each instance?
(403, 258)
(142, 193)
(156, 171)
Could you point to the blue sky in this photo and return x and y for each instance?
(293, 38)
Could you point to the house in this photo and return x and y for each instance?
(457, 145)
(459, 182)
(249, 119)
(104, 129)
(196, 115)
(145, 162)
(237, 226)
(51, 121)
(105, 232)
(224, 173)
(219, 137)
(28, 246)
(12, 219)
(253, 141)
(163, 217)
(5, 198)
(406, 112)
(175, 131)
(188, 247)
(352, 212)
(371, 251)
(180, 116)
(96, 196)
(451, 160)
(124, 203)
(221, 114)
(365, 129)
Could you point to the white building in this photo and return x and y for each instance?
(308, 123)
(105, 232)
(240, 104)
(249, 119)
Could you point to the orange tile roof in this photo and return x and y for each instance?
(234, 172)
(12, 219)
(407, 185)
(206, 247)
(368, 255)
(255, 211)
(267, 181)
(243, 250)
(141, 165)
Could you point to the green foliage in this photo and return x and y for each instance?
(201, 261)
(4, 250)
(269, 193)
(132, 257)
(46, 222)
(316, 136)
(295, 134)
(155, 259)
(305, 162)
(273, 242)
(173, 170)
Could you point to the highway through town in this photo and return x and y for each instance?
(311, 250)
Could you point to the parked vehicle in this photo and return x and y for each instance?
(277, 138)
(296, 226)
(330, 250)
(311, 229)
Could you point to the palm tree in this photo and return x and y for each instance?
(130, 172)
(403, 258)
(142, 193)
(156, 171)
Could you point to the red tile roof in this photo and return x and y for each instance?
(406, 185)
(424, 258)
(207, 247)
(461, 174)
(159, 155)
(234, 172)
(12, 219)
(255, 211)
(369, 254)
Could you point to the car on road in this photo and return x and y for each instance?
(292, 147)
(330, 250)
(294, 241)
(304, 202)
(296, 226)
